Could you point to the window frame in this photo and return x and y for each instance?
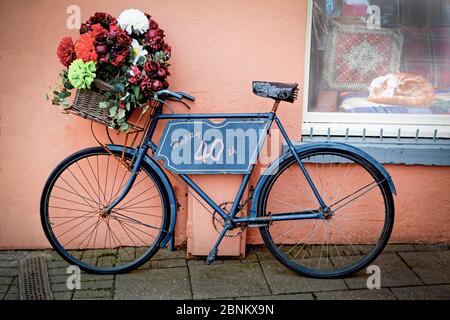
(374, 125)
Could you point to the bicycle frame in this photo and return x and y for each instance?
(230, 219)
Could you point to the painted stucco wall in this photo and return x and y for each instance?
(219, 47)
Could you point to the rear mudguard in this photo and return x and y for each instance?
(273, 168)
(168, 189)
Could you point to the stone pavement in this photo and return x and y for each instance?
(407, 272)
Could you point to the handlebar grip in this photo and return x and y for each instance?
(170, 94)
(187, 96)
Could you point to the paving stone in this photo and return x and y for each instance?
(283, 280)
(12, 296)
(92, 295)
(57, 264)
(96, 277)
(12, 255)
(169, 263)
(9, 263)
(60, 287)
(264, 254)
(2, 295)
(382, 294)
(394, 273)
(62, 295)
(4, 288)
(127, 254)
(57, 272)
(153, 284)
(9, 272)
(202, 262)
(166, 254)
(95, 285)
(300, 296)
(432, 266)
(14, 288)
(436, 292)
(431, 247)
(58, 279)
(227, 280)
(6, 280)
(390, 248)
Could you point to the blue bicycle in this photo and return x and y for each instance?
(324, 210)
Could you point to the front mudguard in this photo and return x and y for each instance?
(167, 188)
(273, 168)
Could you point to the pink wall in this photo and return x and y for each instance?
(219, 47)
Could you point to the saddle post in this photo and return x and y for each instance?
(275, 106)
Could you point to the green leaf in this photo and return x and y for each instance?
(113, 111)
(124, 127)
(121, 114)
(136, 91)
(103, 105)
(64, 94)
(128, 106)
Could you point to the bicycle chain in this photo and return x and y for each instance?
(223, 206)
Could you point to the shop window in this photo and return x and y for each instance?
(378, 68)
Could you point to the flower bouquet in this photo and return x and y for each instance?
(116, 66)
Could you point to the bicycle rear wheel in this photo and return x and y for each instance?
(346, 241)
(73, 220)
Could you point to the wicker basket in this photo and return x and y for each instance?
(86, 103)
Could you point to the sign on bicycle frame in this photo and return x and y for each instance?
(205, 147)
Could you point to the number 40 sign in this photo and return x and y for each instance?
(205, 147)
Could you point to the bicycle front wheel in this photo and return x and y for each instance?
(351, 236)
(72, 214)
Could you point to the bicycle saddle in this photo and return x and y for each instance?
(275, 90)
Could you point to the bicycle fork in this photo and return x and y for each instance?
(141, 152)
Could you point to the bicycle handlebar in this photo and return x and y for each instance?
(176, 95)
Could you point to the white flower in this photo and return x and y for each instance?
(137, 51)
(133, 20)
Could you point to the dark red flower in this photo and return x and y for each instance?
(66, 51)
(157, 85)
(120, 58)
(167, 50)
(136, 75)
(153, 24)
(146, 87)
(104, 19)
(151, 67)
(123, 39)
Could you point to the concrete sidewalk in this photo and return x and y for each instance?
(407, 272)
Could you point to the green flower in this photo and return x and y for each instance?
(81, 74)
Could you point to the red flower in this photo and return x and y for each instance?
(85, 49)
(151, 67)
(97, 30)
(153, 24)
(146, 87)
(65, 51)
(118, 59)
(136, 75)
(104, 19)
(167, 50)
(123, 39)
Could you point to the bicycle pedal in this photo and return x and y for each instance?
(211, 257)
